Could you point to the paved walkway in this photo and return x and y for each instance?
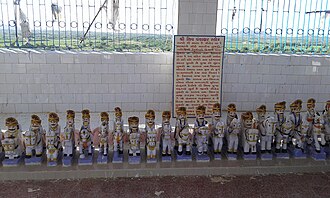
(280, 185)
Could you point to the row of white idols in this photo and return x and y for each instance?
(243, 131)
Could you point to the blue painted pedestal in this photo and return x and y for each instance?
(117, 158)
(266, 156)
(251, 156)
(183, 157)
(88, 160)
(282, 155)
(134, 159)
(321, 156)
(67, 161)
(12, 162)
(101, 159)
(33, 160)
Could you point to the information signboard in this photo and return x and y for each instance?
(197, 76)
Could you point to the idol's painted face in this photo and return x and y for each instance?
(12, 128)
(200, 116)
(53, 123)
(262, 114)
(232, 113)
(248, 123)
(279, 111)
(150, 121)
(216, 116)
(86, 121)
(70, 121)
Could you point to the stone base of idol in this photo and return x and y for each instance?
(183, 157)
(231, 156)
(117, 157)
(52, 163)
(218, 156)
(166, 158)
(134, 159)
(282, 155)
(67, 161)
(151, 160)
(12, 162)
(33, 160)
(202, 157)
(327, 150)
(250, 156)
(297, 153)
(102, 159)
(266, 155)
(319, 156)
(87, 160)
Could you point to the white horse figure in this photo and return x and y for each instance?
(68, 140)
(10, 147)
(85, 142)
(202, 139)
(118, 138)
(51, 146)
(234, 130)
(218, 135)
(104, 133)
(318, 134)
(151, 144)
(33, 141)
(267, 132)
(252, 136)
(326, 119)
(282, 137)
(134, 139)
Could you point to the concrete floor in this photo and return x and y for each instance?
(278, 185)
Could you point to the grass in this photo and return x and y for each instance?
(121, 42)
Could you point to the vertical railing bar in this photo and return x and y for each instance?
(9, 28)
(95, 32)
(260, 27)
(303, 35)
(255, 19)
(130, 29)
(243, 38)
(327, 39)
(275, 37)
(228, 44)
(249, 38)
(287, 26)
(40, 29)
(295, 44)
(309, 17)
(238, 17)
(325, 19)
(3, 27)
(312, 40)
(319, 25)
(232, 25)
(65, 32)
(293, 20)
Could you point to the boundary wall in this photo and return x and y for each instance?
(44, 81)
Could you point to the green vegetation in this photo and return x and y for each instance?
(130, 42)
(119, 42)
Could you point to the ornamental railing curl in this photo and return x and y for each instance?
(101, 25)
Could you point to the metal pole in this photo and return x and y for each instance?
(90, 25)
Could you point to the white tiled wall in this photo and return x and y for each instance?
(29, 82)
(197, 17)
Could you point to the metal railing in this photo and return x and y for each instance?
(275, 26)
(105, 25)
